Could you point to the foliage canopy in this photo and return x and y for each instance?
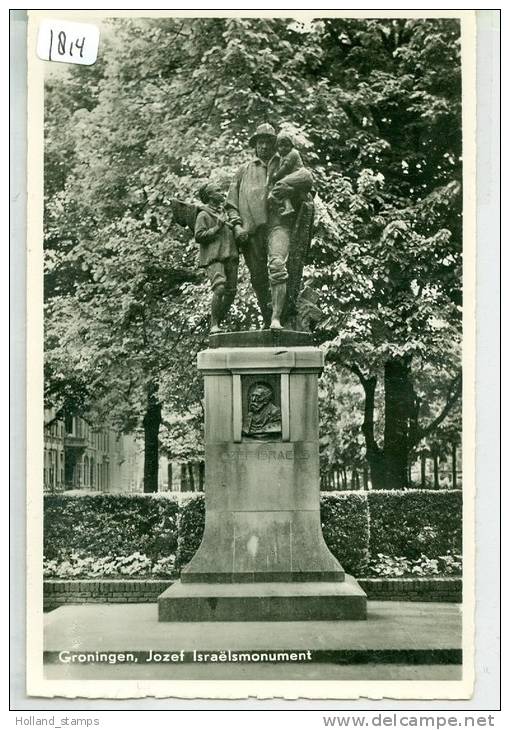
(376, 109)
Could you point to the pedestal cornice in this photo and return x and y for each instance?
(275, 359)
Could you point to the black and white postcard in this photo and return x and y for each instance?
(251, 328)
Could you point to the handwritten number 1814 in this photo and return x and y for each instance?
(64, 47)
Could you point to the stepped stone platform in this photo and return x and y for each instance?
(274, 601)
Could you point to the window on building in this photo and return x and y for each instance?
(51, 475)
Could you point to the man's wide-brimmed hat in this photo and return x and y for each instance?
(263, 130)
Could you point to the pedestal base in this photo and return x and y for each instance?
(261, 338)
(263, 601)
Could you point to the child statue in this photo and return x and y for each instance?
(291, 176)
(218, 251)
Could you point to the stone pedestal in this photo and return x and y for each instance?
(263, 556)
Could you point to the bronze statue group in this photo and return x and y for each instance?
(267, 215)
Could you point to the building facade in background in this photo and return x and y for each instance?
(80, 456)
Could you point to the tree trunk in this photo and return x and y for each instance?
(344, 478)
(151, 424)
(353, 479)
(436, 471)
(201, 476)
(184, 478)
(454, 466)
(423, 460)
(191, 477)
(365, 477)
(389, 465)
(169, 476)
(397, 413)
(375, 456)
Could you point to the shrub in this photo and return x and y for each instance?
(77, 566)
(164, 567)
(391, 567)
(344, 518)
(415, 522)
(110, 524)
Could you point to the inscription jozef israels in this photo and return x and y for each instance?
(266, 454)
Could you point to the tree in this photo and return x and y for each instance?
(392, 201)
(117, 273)
(376, 108)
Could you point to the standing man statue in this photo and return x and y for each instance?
(262, 232)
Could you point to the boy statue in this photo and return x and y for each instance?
(218, 251)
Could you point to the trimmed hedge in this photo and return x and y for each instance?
(357, 526)
(415, 522)
(344, 518)
(110, 524)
